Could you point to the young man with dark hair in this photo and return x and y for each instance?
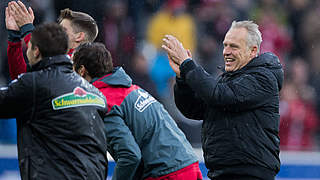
(79, 26)
(59, 114)
(48, 41)
(80, 23)
(142, 137)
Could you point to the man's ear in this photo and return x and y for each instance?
(36, 52)
(254, 52)
(82, 71)
(80, 37)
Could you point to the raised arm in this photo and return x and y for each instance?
(19, 25)
(245, 92)
(187, 101)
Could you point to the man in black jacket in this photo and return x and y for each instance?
(240, 108)
(59, 114)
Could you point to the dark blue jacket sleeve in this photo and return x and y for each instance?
(122, 146)
(247, 91)
(187, 101)
(15, 97)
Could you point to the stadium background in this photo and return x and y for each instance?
(132, 30)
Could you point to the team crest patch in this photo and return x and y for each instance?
(79, 97)
(144, 100)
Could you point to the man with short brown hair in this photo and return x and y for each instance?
(79, 26)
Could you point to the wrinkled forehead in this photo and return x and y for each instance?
(236, 35)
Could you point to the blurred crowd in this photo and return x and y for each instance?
(132, 30)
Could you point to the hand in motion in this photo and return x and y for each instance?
(174, 66)
(175, 49)
(21, 14)
(176, 52)
(10, 21)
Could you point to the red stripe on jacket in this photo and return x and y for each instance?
(114, 94)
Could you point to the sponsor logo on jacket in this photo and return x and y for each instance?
(79, 97)
(144, 100)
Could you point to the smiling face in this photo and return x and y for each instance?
(236, 52)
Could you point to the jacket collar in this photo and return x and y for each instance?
(263, 60)
(50, 61)
(118, 77)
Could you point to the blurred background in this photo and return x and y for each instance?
(132, 30)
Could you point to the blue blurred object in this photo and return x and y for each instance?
(161, 72)
(8, 131)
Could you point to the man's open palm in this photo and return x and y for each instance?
(21, 14)
(10, 21)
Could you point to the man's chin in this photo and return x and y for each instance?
(228, 69)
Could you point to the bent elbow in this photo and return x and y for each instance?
(130, 159)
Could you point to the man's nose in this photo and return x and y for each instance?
(226, 51)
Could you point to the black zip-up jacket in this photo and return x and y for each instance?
(60, 122)
(240, 112)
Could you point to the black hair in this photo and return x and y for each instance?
(95, 58)
(51, 39)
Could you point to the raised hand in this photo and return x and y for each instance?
(21, 14)
(174, 66)
(175, 49)
(10, 21)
